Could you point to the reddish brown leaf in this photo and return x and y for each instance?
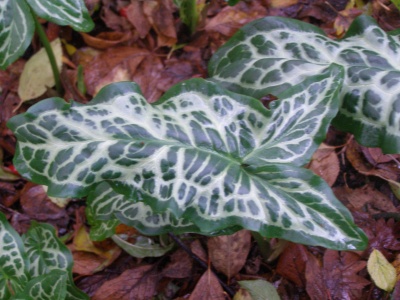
(106, 40)
(337, 278)
(198, 250)
(208, 288)
(180, 265)
(231, 18)
(292, 263)
(325, 164)
(36, 204)
(228, 253)
(136, 16)
(139, 284)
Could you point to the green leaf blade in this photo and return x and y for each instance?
(200, 155)
(273, 54)
(13, 260)
(64, 12)
(16, 30)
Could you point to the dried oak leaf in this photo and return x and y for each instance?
(337, 278)
(228, 253)
(292, 263)
(139, 283)
(208, 288)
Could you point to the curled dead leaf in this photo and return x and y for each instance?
(106, 40)
(325, 163)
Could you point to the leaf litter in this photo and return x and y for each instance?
(137, 40)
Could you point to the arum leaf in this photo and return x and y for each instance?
(32, 83)
(46, 253)
(51, 286)
(217, 159)
(64, 12)
(16, 30)
(381, 271)
(272, 54)
(13, 260)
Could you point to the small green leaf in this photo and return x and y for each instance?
(381, 271)
(260, 289)
(13, 260)
(272, 54)
(143, 247)
(51, 286)
(46, 253)
(64, 12)
(16, 30)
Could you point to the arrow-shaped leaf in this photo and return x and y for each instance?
(218, 159)
(272, 54)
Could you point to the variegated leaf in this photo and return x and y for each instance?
(201, 153)
(16, 30)
(272, 54)
(51, 286)
(47, 253)
(106, 209)
(64, 12)
(13, 261)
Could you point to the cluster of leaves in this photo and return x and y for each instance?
(207, 160)
(155, 161)
(36, 266)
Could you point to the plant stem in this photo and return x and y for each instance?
(263, 245)
(46, 44)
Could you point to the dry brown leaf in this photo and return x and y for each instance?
(136, 16)
(208, 288)
(180, 265)
(282, 3)
(366, 198)
(228, 253)
(337, 278)
(231, 18)
(112, 17)
(159, 13)
(37, 205)
(198, 250)
(396, 265)
(106, 40)
(100, 66)
(139, 284)
(359, 162)
(325, 163)
(292, 263)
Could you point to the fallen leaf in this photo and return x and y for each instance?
(282, 3)
(136, 16)
(208, 288)
(198, 250)
(381, 271)
(180, 265)
(139, 283)
(86, 263)
(260, 289)
(37, 76)
(396, 265)
(159, 14)
(292, 263)
(228, 253)
(37, 205)
(231, 18)
(106, 40)
(325, 163)
(117, 74)
(337, 278)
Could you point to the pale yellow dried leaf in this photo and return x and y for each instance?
(381, 271)
(37, 76)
